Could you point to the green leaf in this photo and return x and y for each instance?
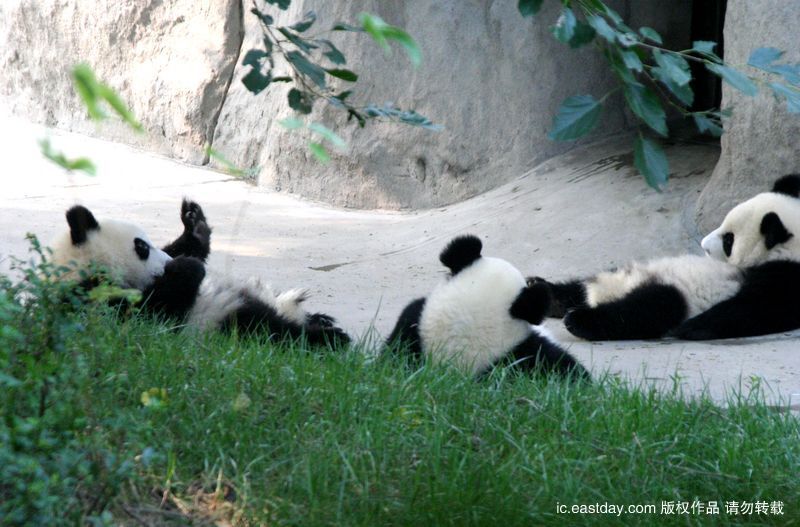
(627, 39)
(790, 72)
(70, 165)
(584, 33)
(297, 40)
(86, 85)
(631, 60)
(300, 101)
(282, 79)
(380, 31)
(564, 29)
(115, 101)
(291, 123)
(328, 134)
(650, 34)
(333, 54)
(529, 7)
(265, 18)
(228, 166)
(319, 152)
(347, 27)
(346, 75)
(310, 70)
(603, 29)
(650, 160)
(684, 94)
(673, 67)
(706, 125)
(308, 21)
(255, 81)
(705, 47)
(253, 58)
(645, 105)
(761, 58)
(282, 4)
(735, 78)
(576, 117)
(792, 96)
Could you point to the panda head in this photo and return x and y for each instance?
(763, 228)
(122, 249)
(492, 283)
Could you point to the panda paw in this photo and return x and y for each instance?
(192, 215)
(583, 323)
(688, 331)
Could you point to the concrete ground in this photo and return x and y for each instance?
(577, 214)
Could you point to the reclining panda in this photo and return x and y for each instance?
(175, 284)
(747, 285)
(481, 317)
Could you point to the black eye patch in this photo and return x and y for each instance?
(727, 243)
(142, 248)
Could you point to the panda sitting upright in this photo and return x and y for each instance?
(174, 282)
(748, 284)
(481, 317)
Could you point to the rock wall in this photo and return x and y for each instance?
(761, 138)
(171, 60)
(493, 79)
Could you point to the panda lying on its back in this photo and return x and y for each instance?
(174, 282)
(749, 285)
(481, 317)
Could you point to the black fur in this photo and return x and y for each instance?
(538, 354)
(766, 303)
(172, 294)
(80, 221)
(460, 253)
(257, 317)
(647, 312)
(531, 303)
(406, 331)
(773, 230)
(196, 237)
(789, 185)
(563, 296)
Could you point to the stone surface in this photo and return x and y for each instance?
(170, 60)
(761, 138)
(575, 214)
(493, 79)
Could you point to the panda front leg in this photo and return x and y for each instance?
(173, 293)
(648, 312)
(564, 296)
(195, 240)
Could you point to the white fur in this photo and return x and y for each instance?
(702, 281)
(744, 221)
(466, 320)
(112, 247)
(220, 296)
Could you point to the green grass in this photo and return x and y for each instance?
(275, 434)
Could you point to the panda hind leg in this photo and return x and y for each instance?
(650, 311)
(538, 354)
(195, 240)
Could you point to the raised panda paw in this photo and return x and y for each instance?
(186, 269)
(194, 220)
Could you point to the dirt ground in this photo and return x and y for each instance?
(574, 215)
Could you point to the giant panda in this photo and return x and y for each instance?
(482, 316)
(747, 284)
(175, 283)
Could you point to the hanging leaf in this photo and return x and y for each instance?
(650, 160)
(282, 4)
(631, 60)
(737, 79)
(381, 32)
(347, 27)
(305, 45)
(346, 75)
(255, 81)
(333, 54)
(645, 104)
(319, 152)
(577, 116)
(291, 123)
(309, 69)
(673, 67)
(529, 7)
(564, 29)
(603, 29)
(254, 57)
(584, 34)
(328, 134)
(299, 101)
(265, 18)
(308, 21)
(761, 58)
(650, 34)
(705, 47)
(82, 164)
(706, 125)
(792, 96)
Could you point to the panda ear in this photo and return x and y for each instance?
(789, 185)
(80, 221)
(532, 303)
(461, 252)
(773, 230)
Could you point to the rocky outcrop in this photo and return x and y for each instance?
(493, 80)
(170, 60)
(761, 138)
